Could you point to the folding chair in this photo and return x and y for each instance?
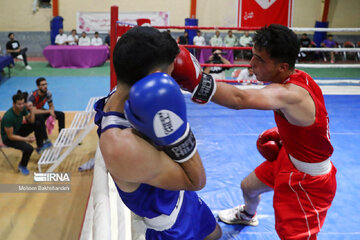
(349, 55)
(2, 145)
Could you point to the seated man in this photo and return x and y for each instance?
(84, 40)
(15, 134)
(184, 39)
(246, 41)
(61, 38)
(96, 40)
(199, 40)
(216, 40)
(39, 97)
(13, 48)
(305, 42)
(329, 43)
(72, 39)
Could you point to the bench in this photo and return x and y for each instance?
(69, 138)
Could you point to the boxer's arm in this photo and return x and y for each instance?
(272, 97)
(131, 159)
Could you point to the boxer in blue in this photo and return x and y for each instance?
(147, 144)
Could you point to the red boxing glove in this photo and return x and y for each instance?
(188, 74)
(269, 144)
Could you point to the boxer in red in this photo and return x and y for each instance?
(301, 173)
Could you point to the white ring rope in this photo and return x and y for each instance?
(315, 49)
(332, 81)
(325, 29)
(320, 65)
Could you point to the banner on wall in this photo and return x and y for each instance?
(91, 22)
(258, 13)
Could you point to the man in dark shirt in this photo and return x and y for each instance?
(14, 132)
(306, 42)
(39, 98)
(13, 48)
(184, 39)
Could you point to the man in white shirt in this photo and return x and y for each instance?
(72, 39)
(61, 38)
(247, 76)
(84, 40)
(230, 40)
(96, 41)
(198, 39)
(216, 40)
(246, 40)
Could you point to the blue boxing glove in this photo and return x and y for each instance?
(156, 108)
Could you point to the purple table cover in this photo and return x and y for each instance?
(76, 56)
(204, 54)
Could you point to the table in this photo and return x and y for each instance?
(76, 56)
(204, 54)
(5, 61)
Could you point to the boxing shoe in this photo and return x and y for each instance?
(237, 215)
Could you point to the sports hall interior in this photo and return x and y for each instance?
(227, 138)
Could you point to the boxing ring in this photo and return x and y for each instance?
(227, 144)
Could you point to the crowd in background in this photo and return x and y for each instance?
(245, 40)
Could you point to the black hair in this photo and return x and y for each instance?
(39, 80)
(96, 32)
(10, 34)
(280, 43)
(19, 96)
(140, 50)
(330, 35)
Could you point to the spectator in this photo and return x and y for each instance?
(305, 42)
(246, 41)
(216, 40)
(84, 40)
(61, 38)
(14, 49)
(329, 43)
(14, 132)
(73, 38)
(184, 39)
(198, 39)
(230, 40)
(247, 76)
(96, 41)
(216, 58)
(39, 98)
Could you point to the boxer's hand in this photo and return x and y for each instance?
(156, 108)
(188, 74)
(269, 144)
